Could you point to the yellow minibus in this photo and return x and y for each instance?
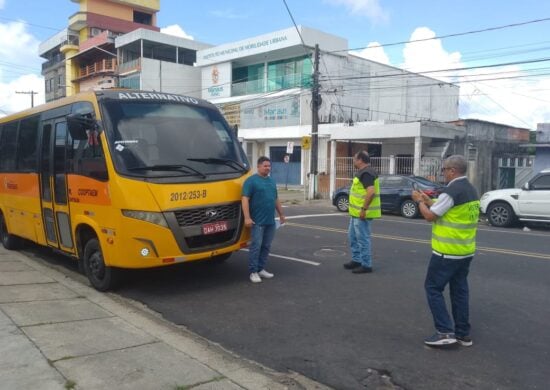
(123, 179)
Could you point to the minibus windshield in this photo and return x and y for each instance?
(166, 139)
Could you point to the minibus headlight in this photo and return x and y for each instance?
(147, 216)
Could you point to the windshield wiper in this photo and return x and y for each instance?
(221, 161)
(169, 167)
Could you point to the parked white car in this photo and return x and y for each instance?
(529, 203)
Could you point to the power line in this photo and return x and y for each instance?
(449, 35)
(32, 93)
(30, 24)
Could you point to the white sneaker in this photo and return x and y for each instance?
(266, 275)
(255, 278)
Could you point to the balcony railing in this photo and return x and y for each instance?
(57, 59)
(296, 80)
(129, 67)
(104, 66)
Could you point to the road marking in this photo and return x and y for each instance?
(482, 228)
(421, 241)
(403, 220)
(290, 258)
(313, 215)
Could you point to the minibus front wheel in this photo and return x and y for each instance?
(102, 277)
(9, 241)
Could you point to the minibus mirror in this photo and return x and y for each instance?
(79, 124)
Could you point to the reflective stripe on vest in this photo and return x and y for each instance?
(455, 232)
(357, 200)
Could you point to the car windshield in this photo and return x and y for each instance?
(166, 139)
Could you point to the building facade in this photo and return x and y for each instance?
(83, 57)
(154, 61)
(263, 85)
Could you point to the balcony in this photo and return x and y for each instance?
(105, 66)
(296, 80)
(129, 67)
(55, 60)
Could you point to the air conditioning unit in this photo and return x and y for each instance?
(95, 31)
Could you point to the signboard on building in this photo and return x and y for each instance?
(271, 112)
(289, 147)
(216, 81)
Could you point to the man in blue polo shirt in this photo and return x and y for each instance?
(259, 202)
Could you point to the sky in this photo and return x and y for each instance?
(515, 93)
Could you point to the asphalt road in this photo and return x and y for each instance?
(343, 329)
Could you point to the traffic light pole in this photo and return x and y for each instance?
(315, 103)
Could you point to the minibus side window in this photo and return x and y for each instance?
(27, 151)
(8, 144)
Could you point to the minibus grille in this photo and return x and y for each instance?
(199, 216)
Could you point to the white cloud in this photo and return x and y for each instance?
(11, 102)
(369, 8)
(176, 30)
(374, 52)
(18, 47)
(483, 93)
(428, 55)
(19, 68)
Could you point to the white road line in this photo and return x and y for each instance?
(290, 258)
(315, 215)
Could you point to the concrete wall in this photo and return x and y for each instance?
(542, 159)
(170, 77)
(382, 92)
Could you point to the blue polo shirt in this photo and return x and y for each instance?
(262, 194)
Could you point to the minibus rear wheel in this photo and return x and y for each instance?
(102, 277)
(9, 241)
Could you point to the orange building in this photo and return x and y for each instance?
(83, 57)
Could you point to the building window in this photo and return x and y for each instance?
(248, 80)
(143, 18)
(289, 73)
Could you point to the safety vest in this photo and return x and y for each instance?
(357, 199)
(454, 233)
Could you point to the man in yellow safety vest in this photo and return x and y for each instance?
(454, 216)
(364, 206)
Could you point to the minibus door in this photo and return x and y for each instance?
(54, 197)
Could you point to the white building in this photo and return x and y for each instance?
(154, 61)
(263, 85)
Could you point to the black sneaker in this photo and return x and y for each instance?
(352, 265)
(440, 339)
(465, 341)
(362, 270)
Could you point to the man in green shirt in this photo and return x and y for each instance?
(259, 202)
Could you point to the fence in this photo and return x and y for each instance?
(430, 168)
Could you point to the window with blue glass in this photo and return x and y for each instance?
(248, 80)
(289, 73)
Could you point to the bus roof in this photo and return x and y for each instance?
(111, 94)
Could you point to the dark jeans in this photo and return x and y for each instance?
(454, 272)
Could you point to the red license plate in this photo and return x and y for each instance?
(214, 227)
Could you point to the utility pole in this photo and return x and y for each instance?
(32, 93)
(315, 104)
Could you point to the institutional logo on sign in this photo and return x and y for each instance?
(215, 75)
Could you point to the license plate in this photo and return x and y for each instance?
(214, 227)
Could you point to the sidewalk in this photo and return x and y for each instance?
(57, 333)
(295, 195)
